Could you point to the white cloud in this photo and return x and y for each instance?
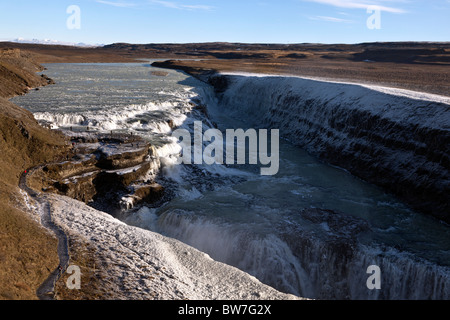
(197, 7)
(175, 5)
(116, 4)
(329, 19)
(167, 4)
(361, 4)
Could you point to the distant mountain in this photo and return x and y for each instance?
(54, 42)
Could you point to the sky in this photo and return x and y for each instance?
(246, 21)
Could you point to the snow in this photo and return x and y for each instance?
(114, 149)
(142, 264)
(53, 42)
(30, 206)
(126, 170)
(84, 175)
(416, 95)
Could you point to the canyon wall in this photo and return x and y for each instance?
(396, 139)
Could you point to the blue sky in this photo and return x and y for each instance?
(253, 21)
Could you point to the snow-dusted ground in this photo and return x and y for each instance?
(416, 95)
(391, 137)
(145, 265)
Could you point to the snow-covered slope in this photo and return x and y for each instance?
(397, 139)
(141, 264)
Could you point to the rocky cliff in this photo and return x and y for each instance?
(108, 173)
(396, 139)
(18, 73)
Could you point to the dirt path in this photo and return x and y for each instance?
(47, 289)
(122, 157)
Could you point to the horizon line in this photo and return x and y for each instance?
(87, 45)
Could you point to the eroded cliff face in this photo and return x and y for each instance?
(108, 173)
(395, 139)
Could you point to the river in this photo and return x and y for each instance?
(311, 229)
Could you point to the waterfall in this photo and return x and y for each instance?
(365, 131)
(393, 138)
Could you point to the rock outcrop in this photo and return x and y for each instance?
(397, 142)
(108, 173)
